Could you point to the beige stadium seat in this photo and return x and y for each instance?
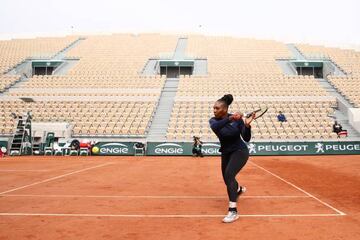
(243, 68)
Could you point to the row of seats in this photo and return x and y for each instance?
(345, 59)
(250, 85)
(7, 80)
(113, 61)
(86, 117)
(112, 64)
(13, 52)
(219, 48)
(348, 87)
(247, 68)
(243, 67)
(131, 94)
(304, 119)
(94, 82)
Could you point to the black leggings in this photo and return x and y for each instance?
(231, 164)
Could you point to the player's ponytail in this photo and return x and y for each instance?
(227, 99)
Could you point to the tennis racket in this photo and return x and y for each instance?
(259, 113)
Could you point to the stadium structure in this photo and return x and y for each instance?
(105, 94)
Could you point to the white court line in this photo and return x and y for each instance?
(298, 188)
(54, 178)
(166, 215)
(144, 197)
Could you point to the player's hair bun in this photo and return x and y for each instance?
(227, 99)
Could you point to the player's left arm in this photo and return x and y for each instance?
(246, 128)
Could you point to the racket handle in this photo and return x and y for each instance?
(247, 115)
(237, 118)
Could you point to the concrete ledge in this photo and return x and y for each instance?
(354, 118)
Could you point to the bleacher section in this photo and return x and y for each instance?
(13, 52)
(105, 92)
(348, 87)
(124, 92)
(108, 67)
(96, 80)
(92, 118)
(306, 119)
(7, 81)
(347, 60)
(250, 84)
(247, 68)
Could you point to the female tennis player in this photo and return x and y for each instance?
(234, 152)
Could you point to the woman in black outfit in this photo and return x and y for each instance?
(234, 152)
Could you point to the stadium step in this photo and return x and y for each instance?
(62, 53)
(344, 121)
(335, 69)
(150, 68)
(180, 48)
(295, 52)
(200, 67)
(286, 67)
(342, 109)
(341, 113)
(25, 70)
(65, 67)
(158, 127)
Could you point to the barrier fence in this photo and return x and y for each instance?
(212, 149)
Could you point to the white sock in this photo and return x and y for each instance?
(239, 188)
(232, 204)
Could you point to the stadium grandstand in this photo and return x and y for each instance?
(161, 88)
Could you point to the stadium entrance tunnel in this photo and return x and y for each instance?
(175, 68)
(44, 67)
(316, 68)
(309, 68)
(31, 67)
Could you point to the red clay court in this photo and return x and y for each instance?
(312, 197)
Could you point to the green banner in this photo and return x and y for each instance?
(180, 148)
(209, 149)
(303, 148)
(4, 144)
(169, 148)
(113, 148)
(176, 63)
(259, 148)
(46, 63)
(305, 63)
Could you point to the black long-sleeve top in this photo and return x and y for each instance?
(229, 133)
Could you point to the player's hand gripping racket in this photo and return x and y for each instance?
(259, 113)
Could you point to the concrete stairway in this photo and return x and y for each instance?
(344, 121)
(150, 68)
(200, 67)
(159, 124)
(65, 67)
(61, 54)
(180, 49)
(24, 69)
(341, 111)
(286, 67)
(295, 52)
